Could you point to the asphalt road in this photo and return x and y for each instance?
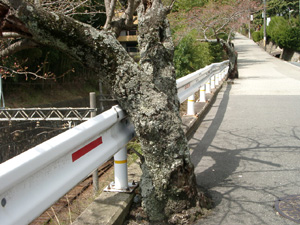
(247, 150)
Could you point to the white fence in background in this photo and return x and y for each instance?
(34, 180)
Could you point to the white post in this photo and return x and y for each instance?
(202, 94)
(207, 87)
(223, 74)
(217, 79)
(120, 166)
(212, 82)
(190, 105)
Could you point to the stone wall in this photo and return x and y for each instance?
(271, 48)
(285, 54)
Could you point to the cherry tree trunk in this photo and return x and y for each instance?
(233, 57)
(146, 91)
(168, 182)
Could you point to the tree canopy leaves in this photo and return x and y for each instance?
(285, 33)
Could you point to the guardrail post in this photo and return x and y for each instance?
(190, 105)
(95, 172)
(212, 82)
(120, 183)
(202, 94)
(217, 79)
(207, 87)
(120, 166)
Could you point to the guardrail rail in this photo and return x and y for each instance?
(32, 181)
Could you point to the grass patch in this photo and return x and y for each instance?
(134, 150)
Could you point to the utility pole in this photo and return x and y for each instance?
(249, 30)
(265, 26)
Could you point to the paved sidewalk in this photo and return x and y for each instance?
(247, 150)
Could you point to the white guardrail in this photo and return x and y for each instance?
(34, 180)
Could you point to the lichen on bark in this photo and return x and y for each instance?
(146, 91)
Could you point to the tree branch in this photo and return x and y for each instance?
(18, 46)
(6, 35)
(9, 23)
(132, 6)
(110, 9)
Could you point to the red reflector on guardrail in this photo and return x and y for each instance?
(81, 152)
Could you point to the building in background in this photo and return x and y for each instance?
(128, 39)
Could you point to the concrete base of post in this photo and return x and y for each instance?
(121, 174)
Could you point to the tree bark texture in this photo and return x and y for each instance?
(233, 57)
(146, 91)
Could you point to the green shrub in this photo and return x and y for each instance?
(191, 54)
(285, 33)
(256, 36)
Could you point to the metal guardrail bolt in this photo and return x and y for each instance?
(3, 202)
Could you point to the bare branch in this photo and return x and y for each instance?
(110, 8)
(132, 5)
(6, 35)
(85, 13)
(18, 46)
(70, 7)
(9, 72)
(208, 40)
(169, 8)
(75, 7)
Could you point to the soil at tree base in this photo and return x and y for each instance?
(137, 215)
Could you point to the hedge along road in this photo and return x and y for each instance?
(247, 150)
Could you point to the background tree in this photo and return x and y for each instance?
(28, 61)
(285, 32)
(145, 90)
(190, 54)
(216, 21)
(283, 8)
(284, 27)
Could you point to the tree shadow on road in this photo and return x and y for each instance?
(224, 163)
